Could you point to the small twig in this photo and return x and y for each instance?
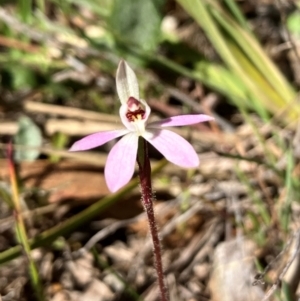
(186, 99)
(196, 244)
(108, 231)
(212, 238)
(276, 284)
(17, 44)
(271, 291)
(270, 264)
(5, 223)
(292, 258)
(70, 112)
(253, 160)
(14, 23)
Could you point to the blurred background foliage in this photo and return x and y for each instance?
(47, 36)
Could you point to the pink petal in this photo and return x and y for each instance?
(147, 109)
(120, 162)
(175, 148)
(126, 81)
(180, 120)
(97, 139)
(123, 111)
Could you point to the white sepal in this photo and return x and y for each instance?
(126, 81)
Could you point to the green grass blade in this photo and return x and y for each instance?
(236, 12)
(254, 51)
(25, 7)
(285, 213)
(199, 12)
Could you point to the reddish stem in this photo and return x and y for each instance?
(147, 200)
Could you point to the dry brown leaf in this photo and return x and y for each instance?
(66, 180)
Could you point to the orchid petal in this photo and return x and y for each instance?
(126, 81)
(147, 109)
(175, 148)
(123, 111)
(180, 120)
(138, 124)
(97, 139)
(120, 163)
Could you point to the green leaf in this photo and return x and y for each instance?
(28, 135)
(22, 77)
(137, 20)
(293, 23)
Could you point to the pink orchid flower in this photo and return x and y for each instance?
(134, 113)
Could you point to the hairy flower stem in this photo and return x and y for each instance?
(147, 199)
